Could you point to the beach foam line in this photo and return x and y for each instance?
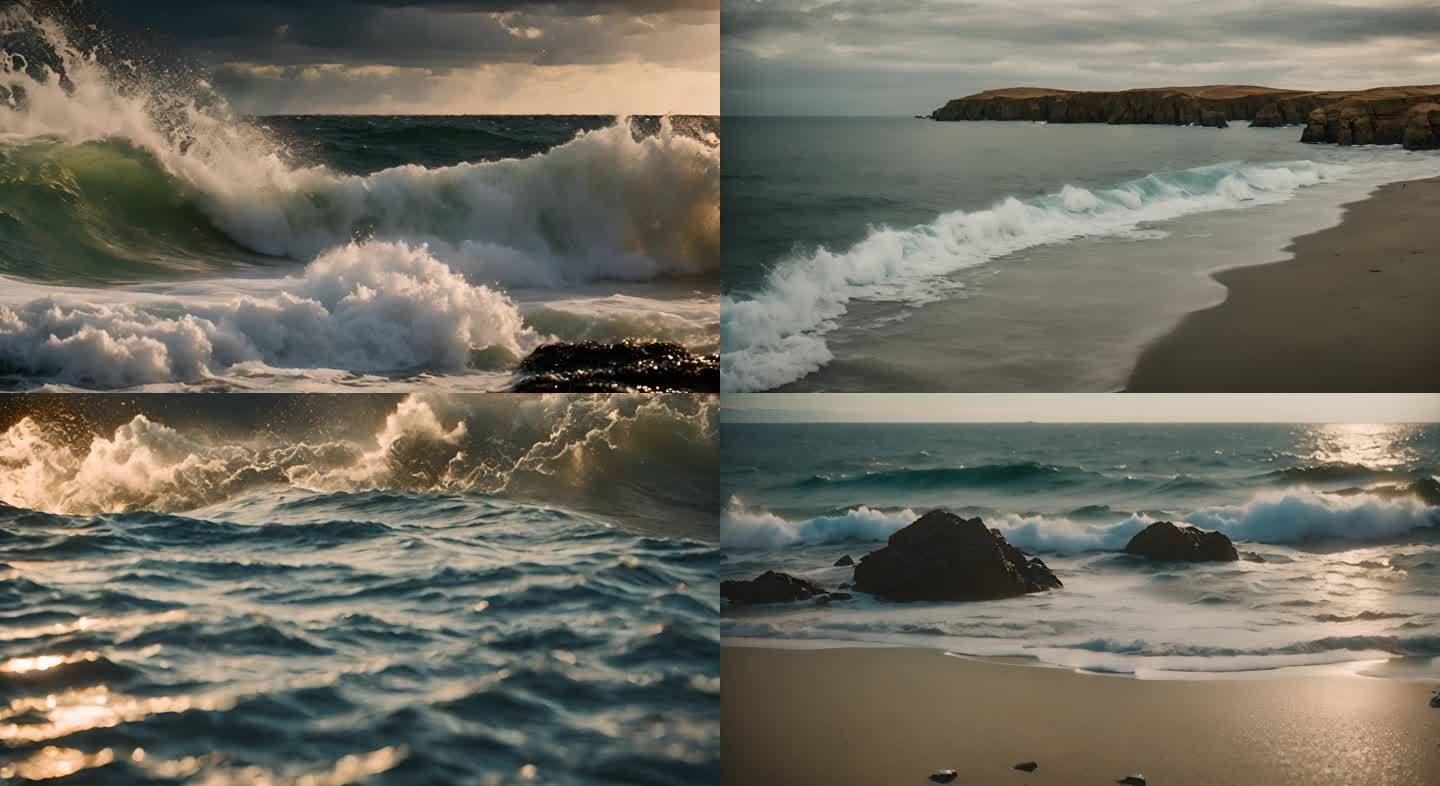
(776, 335)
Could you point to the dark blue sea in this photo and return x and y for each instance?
(477, 592)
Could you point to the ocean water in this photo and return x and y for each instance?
(857, 250)
(482, 590)
(1350, 581)
(150, 239)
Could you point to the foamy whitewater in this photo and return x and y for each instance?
(853, 236)
(1350, 580)
(151, 239)
(434, 589)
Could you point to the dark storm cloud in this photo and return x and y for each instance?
(430, 33)
(869, 56)
(421, 55)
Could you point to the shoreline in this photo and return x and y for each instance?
(1350, 310)
(892, 715)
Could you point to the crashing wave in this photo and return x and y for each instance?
(610, 452)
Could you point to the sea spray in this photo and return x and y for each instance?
(113, 175)
(650, 456)
(611, 204)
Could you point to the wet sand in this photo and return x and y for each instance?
(1355, 310)
(892, 716)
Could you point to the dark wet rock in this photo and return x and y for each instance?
(942, 556)
(1166, 542)
(589, 367)
(822, 600)
(1133, 780)
(1027, 766)
(840, 596)
(845, 560)
(943, 776)
(1211, 118)
(844, 585)
(1250, 556)
(769, 587)
(1435, 699)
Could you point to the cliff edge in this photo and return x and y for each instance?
(1383, 115)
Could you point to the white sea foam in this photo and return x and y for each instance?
(599, 452)
(378, 307)
(1292, 516)
(404, 266)
(604, 206)
(777, 335)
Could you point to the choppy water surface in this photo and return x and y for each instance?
(366, 623)
(1351, 578)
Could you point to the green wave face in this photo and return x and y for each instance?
(102, 212)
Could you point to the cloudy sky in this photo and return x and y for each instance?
(1085, 408)
(907, 57)
(442, 56)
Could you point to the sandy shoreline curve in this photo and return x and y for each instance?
(893, 716)
(1353, 310)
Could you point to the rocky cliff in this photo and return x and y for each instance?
(1377, 116)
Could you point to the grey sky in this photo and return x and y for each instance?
(1083, 407)
(862, 57)
(442, 56)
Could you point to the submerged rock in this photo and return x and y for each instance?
(589, 367)
(943, 776)
(942, 556)
(769, 587)
(845, 560)
(1133, 780)
(1027, 766)
(1166, 542)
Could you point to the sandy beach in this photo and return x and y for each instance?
(892, 716)
(1352, 311)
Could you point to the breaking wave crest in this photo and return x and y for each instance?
(1296, 516)
(109, 175)
(610, 204)
(645, 455)
(378, 307)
